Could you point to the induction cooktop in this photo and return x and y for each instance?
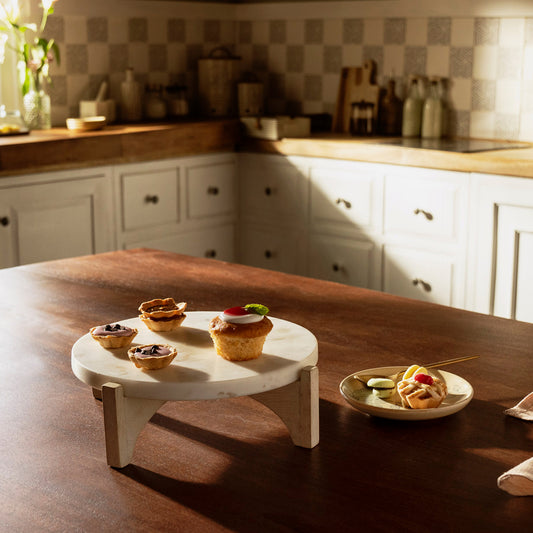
(465, 146)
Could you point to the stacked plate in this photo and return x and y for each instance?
(86, 123)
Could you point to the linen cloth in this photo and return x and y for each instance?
(519, 480)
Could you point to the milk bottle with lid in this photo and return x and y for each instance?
(412, 109)
(432, 112)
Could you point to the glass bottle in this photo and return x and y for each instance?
(390, 112)
(412, 109)
(432, 112)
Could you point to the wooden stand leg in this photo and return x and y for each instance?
(124, 418)
(297, 405)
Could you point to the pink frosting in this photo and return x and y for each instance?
(115, 330)
(151, 351)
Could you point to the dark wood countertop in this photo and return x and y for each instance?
(229, 465)
(59, 148)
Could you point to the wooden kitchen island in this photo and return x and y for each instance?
(229, 464)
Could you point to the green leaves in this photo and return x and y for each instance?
(258, 309)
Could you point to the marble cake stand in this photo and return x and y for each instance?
(284, 378)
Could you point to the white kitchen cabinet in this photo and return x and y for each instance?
(280, 249)
(425, 234)
(345, 222)
(420, 275)
(184, 205)
(213, 243)
(55, 215)
(273, 212)
(344, 260)
(500, 280)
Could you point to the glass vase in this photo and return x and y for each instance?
(37, 108)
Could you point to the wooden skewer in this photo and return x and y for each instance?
(364, 378)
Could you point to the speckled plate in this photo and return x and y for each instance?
(460, 392)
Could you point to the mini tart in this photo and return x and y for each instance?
(418, 395)
(162, 314)
(155, 361)
(114, 339)
(239, 342)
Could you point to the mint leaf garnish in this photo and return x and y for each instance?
(258, 309)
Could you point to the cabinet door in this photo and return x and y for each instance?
(429, 204)
(213, 243)
(513, 291)
(273, 250)
(345, 196)
(210, 190)
(272, 188)
(419, 275)
(149, 196)
(55, 220)
(349, 261)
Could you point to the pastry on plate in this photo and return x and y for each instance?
(422, 391)
(162, 314)
(113, 335)
(239, 333)
(152, 356)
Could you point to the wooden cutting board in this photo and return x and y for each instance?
(357, 84)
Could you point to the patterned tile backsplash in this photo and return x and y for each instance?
(488, 61)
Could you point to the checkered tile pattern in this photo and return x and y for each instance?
(488, 61)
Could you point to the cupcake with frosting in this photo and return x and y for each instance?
(113, 335)
(239, 333)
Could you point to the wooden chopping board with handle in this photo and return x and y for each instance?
(357, 84)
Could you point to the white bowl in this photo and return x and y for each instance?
(86, 123)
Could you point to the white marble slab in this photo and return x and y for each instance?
(197, 372)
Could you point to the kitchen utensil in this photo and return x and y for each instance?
(363, 378)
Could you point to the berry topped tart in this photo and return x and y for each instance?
(152, 356)
(419, 390)
(113, 335)
(162, 314)
(239, 333)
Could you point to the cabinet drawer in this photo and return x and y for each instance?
(149, 198)
(419, 275)
(342, 260)
(427, 207)
(273, 190)
(273, 250)
(345, 197)
(213, 243)
(210, 190)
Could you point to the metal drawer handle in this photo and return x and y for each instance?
(346, 203)
(212, 190)
(269, 254)
(151, 199)
(211, 254)
(336, 267)
(424, 284)
(427, 214)
(4, 221)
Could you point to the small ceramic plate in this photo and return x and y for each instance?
(460, 392)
